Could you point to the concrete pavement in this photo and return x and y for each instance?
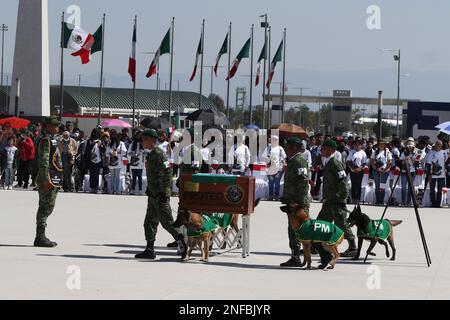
(98, 236)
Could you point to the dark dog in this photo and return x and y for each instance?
(366, 231)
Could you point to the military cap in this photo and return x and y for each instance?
(151, 133)
(330, 143)
(294, 140)
(51, 121)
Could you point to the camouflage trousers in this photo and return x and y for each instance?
(47, 200)
(336, 213)
(294, 244)
(158, 213)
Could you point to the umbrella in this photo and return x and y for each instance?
(252, 127)
(16, 123)
(289, 130)
(156, 123)
(209, 117)
(444, 125)
(116, 123)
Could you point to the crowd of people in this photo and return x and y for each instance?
(109, 159)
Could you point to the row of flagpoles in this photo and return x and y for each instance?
(84, 45)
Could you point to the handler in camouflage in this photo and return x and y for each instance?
(335, 193)
(159, 180)
(48, 180)
(296, 189)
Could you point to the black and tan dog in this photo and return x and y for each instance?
(366, 231)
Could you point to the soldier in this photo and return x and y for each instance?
(296, 188)
(49, 178)
(335, 193)
(159, 178)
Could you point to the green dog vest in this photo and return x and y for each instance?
(383, 233)
(319, 231)
(212, 222)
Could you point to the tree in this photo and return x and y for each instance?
(218, 102)
(386, 128)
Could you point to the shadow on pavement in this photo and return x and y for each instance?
(16, 246)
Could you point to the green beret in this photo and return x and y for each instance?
(294, 140)
(330, 143)
(150, 133)
(51, 121)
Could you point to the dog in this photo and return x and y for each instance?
(366, 231)
(200, 228)
(325, 236)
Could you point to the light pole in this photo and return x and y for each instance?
(265, 25)
(212, 76)
(319, 93)
(301, 98)
(3, 29)
(397, 57)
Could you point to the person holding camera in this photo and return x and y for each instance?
(356, 161)
(67, 147)
(137, 162)
(116, 152)
(381, 161)
(436, 161)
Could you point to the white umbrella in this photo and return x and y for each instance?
(443, 125)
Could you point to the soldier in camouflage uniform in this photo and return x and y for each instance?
(335, 193)
(48, 179)
(159, 179)
(296, 189)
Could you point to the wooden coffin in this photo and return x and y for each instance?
(212, 193)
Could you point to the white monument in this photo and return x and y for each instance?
(31, 61)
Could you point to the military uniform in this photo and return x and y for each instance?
(296, 189)
(159, 189)
(335, 193)
(50, 170)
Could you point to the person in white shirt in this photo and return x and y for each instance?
(381, 161)
(356, 161)
(408, 156)
(163, 144)
(275, 158)
(11, 158)
(436, 162)
(116, 152)
(306, 154)
(239, 157)
(136, 156)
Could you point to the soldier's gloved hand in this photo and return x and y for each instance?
(163, 198)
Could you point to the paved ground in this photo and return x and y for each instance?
(100, 235)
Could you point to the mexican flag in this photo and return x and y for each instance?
(78, 40)
(199, 53)
(277, 58)
(244, 53)
(163, 49)
(132, 60)
(223, 50)
(262, 57)
(98, 36)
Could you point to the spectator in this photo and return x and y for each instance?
(93, 160)
(125, 138)
(79, 162)
(26, 155)
(10, 162)
(116, 153)
(436, 162)
(356, 161)
(137, 162)
(67, 147)
(239, 156)
(408, 156)
(381, 162)
(275, 157)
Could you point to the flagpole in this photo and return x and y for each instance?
(229, 66)
(171, 68)
(101, 71)
(201, 64)
(61, 88)
(283, 95)
(269, 111)
(251, 77)
(264, 73)
(135, 76)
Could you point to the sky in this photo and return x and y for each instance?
(329, 45)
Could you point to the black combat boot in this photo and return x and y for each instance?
(182, 247)
(294, 261)
(41, 240)
(325, 256)
(351, 251)
(149, 252)
(172, 245)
